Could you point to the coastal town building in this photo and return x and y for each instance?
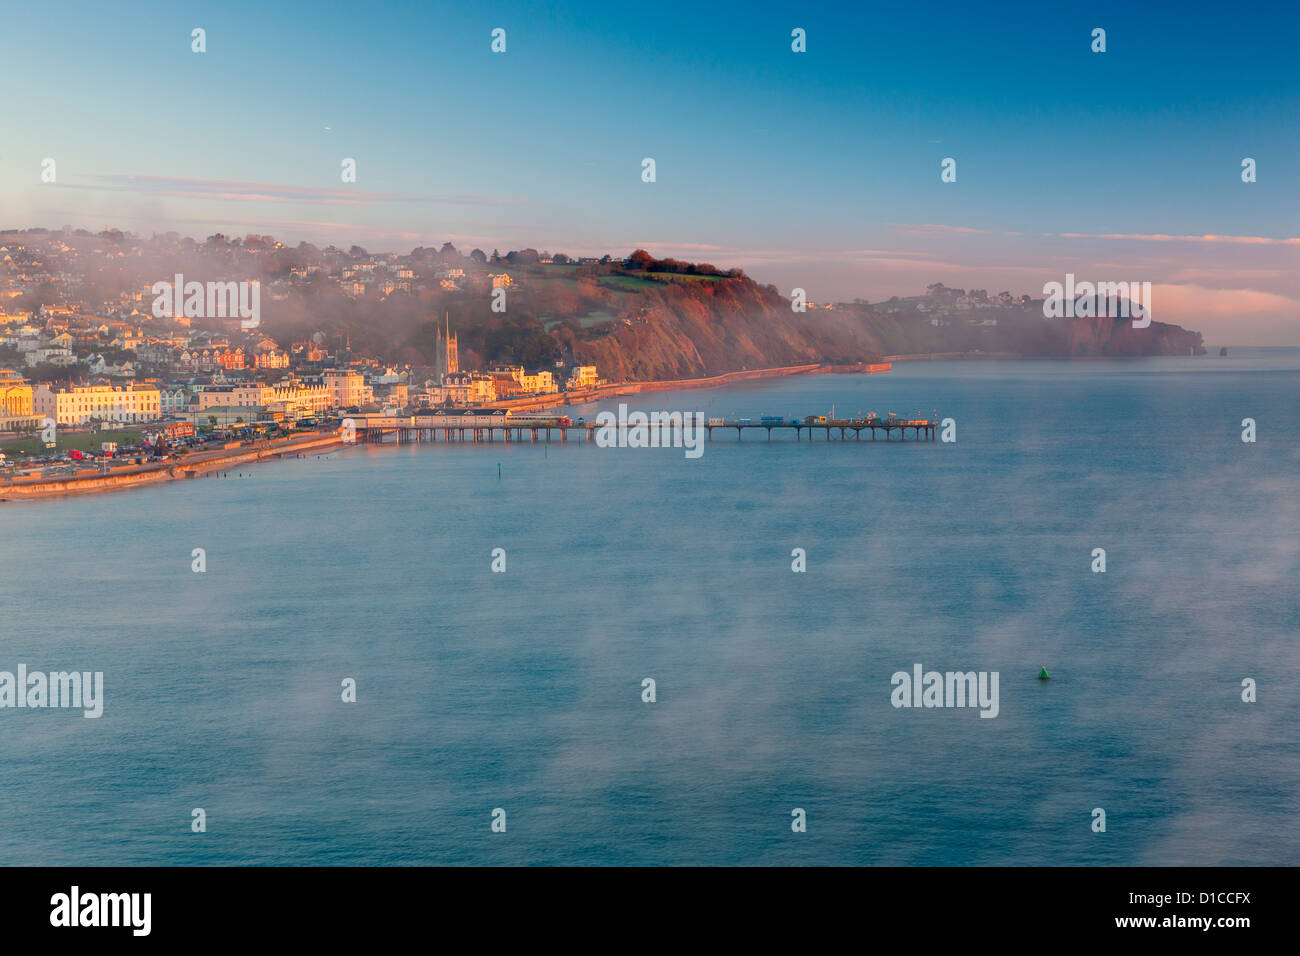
(49, 356)
(15, 395)
(270, 358)
(582, 376)
(397, 394)
(80, 404)
(297, 397)
(307, 352)
(539, 383)
(507, 380)
(347, 388)
(211, 396)
(173, 401)
(427, 396)
(469, 388)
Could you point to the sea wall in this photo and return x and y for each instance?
(22, 489)
(944, 356)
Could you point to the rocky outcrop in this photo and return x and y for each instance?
(1106, 336)
(689, 329)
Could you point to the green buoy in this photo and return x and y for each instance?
(1043, 675)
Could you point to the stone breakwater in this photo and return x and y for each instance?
(192, 466)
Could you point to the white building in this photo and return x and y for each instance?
(85, 403)
(582, 376)
(52, 356)
(347, 388)
(174, 401)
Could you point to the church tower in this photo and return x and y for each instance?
(447, 353)
(452, 360)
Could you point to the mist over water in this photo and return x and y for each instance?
(523, 690)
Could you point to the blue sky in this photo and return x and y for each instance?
(818, 169)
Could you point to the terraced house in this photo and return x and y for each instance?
(81, 404)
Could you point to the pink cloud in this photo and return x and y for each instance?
(1203, 302)
(1160, 237)
(231, 190)
(929, 228)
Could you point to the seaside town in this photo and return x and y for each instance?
(95, 360)
(76, 430)
(111, 360)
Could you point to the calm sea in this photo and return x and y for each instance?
(522, 691)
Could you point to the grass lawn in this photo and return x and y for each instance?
(542, 281)
(678, 277)
(627, 282)
(66, 441)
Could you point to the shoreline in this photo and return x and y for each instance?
(587, 396)
(951, 356)
(34, 489)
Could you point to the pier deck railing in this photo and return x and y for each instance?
(919, 429)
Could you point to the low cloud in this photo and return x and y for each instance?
(1161, 237)
(232, 190)
(933, 229)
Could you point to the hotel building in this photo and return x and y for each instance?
(79, 404)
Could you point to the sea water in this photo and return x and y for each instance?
(522, 690)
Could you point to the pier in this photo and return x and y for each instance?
(922, 428)
(492, 427)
